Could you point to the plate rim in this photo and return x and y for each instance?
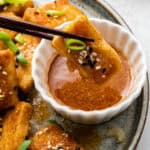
(145, 104)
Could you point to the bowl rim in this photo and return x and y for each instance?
(103, 112)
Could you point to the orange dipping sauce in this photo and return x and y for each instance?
(69, 88)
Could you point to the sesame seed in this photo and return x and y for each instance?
(69, 51)
(98, 67)
(80, 61)
(0, 90)
(94, 54)
(39, 133)
(98, 59)
(83, 54)
(4, 73)
(103, 76)
(65, 134)
(0, 67)
(49, 146)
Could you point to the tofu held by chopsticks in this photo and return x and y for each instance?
(97, 59)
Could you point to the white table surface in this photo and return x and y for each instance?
(137, 15)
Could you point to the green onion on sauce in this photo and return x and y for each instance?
(75, 44)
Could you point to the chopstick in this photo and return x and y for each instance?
(37, 30)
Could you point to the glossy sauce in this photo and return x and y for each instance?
(70, 89)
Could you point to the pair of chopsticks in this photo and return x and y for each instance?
(37, 30)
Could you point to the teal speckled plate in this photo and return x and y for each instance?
(124, 131)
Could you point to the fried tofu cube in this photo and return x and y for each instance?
(15, 126)
(39, 15)
(108, 57)
(24, 76)
(53, 137)
(8, 80)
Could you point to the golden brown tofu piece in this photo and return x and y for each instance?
(24, 76)
(8, 80)
(15, 126)
(53, 137)
(39, 16)
(18, 9)
(11, 33)
(109, 62)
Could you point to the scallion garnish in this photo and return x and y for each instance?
(7, 40)
(2, 2)
(16, 2)
(12, 46)
(20, 58)
(75, 44)
(4, 36)
(54, 13)
(19, 38)
(25, 145)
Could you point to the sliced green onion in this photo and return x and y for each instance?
(52, 121)
(4, 36)
(55, 13)
(19, 38)
(2, 2)
(20, 58)
(7, 40)
(25, 145)
(12, 46)
(16, 2)
(75, 44)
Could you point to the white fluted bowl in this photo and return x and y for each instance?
(121, 39)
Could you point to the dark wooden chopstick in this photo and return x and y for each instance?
(37, 30)
(30, 32)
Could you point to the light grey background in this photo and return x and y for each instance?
(137, 15)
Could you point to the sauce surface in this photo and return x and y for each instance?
(70, 89)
